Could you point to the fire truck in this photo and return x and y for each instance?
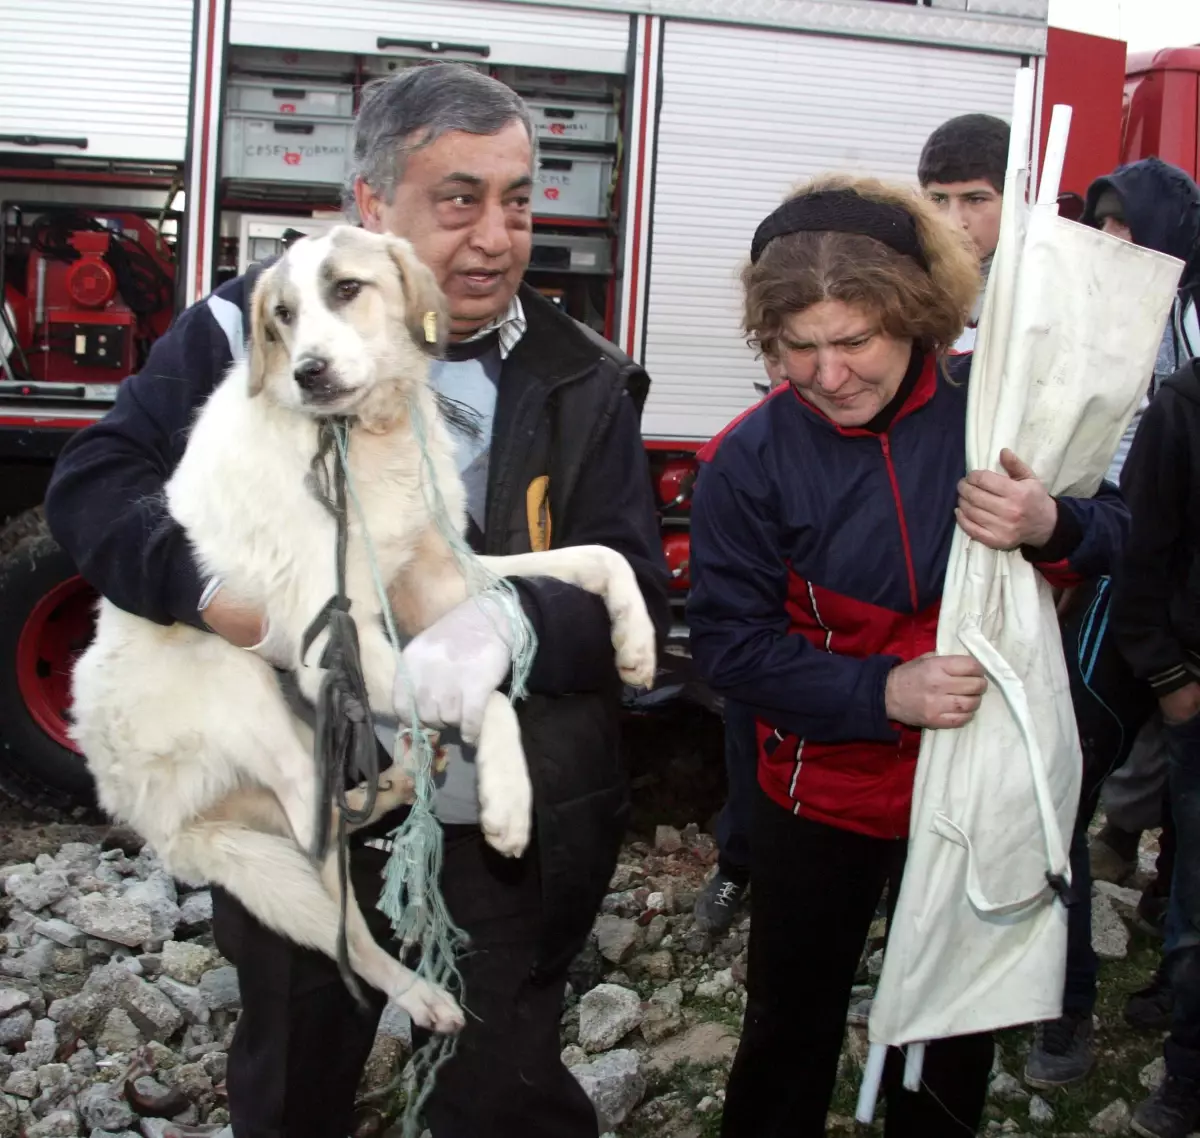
(150, 149)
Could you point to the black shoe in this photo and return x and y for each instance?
(717, 905)
(1173, 1111)
(1062, 1052)
(1113, 854)
(1149, 1009)
(1151, 915)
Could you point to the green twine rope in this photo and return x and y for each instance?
(412, 897)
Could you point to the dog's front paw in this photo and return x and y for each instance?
(430, 1007)
(506, 814)
(635, 643)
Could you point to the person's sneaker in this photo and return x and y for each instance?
(718, 903)
(1173, 1111)
(1113, 854)
(1062, 1052)
(1149, 1009)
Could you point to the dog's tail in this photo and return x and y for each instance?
(268, 874)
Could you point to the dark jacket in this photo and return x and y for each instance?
(818, 556)
(568, 408)
(1156, 598)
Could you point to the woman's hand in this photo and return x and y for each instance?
(1004, 511)
(935, 691)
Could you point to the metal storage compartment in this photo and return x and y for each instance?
(274, 98)
(288, 61)
(574, 122)
(265, 149)
(572, 184)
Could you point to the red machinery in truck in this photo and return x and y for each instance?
(688, 121)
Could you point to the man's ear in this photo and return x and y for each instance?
(425, 310)
(263, 337)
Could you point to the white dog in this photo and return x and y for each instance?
(189, 738)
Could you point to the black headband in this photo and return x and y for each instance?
(842, 211)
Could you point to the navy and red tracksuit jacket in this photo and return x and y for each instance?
(818, 555)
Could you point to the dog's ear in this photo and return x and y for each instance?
(425, 310)
(263, 337)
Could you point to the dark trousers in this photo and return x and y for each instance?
(1182, 962)
(741, 774)
(1110, 706)
(814, 896)
(301, 1042)
(1083, 966)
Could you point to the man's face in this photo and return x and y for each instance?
(464, 205)
(1116, 227)
(973, 207)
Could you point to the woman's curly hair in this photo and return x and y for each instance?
(799, 270)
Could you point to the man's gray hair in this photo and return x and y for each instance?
(402, 113)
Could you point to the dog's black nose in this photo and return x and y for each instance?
(311, 372)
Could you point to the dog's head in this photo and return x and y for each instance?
(344, 324)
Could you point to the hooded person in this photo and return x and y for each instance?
(1155, 205)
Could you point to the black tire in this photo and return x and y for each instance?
(36, 770)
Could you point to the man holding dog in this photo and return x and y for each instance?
(443, 157)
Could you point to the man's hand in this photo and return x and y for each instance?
(1004, 511)
(247, 628)
(1181, 705)
(935, 691)
(243, 627)
(455, 665)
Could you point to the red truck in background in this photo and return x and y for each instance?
(1126, 107)
(87, 285)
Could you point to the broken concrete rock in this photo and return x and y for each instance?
(606, 1014)
(615, 1085)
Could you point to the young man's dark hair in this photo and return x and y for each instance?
(444, 157)
(961, 170)
(966, 149)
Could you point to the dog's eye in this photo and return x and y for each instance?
(283, 314)
(348, 290)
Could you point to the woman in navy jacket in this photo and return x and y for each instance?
(821, 529)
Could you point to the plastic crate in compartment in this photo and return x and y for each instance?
(261, 236)
(571, 184)
(378, 66)
(261, 149)
(569, 253)
(288, 61)
(573, 84)
(574, 122)
(265, 97)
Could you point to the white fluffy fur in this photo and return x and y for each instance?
(188, 737)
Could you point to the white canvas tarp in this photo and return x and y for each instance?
(1067, 343)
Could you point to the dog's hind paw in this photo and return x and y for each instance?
(431, 1007)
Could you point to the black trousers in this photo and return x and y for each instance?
(814, 896)
(302, 1041)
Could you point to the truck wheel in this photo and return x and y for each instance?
(46, 620)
